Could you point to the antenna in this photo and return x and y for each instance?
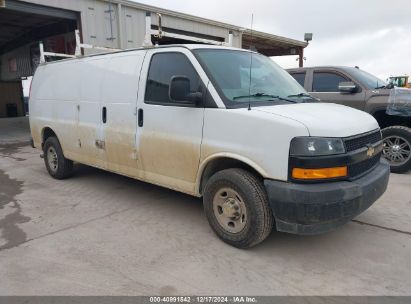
(251, 62)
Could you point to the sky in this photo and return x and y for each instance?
(372, 34)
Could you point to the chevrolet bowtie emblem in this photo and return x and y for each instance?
(370, 151)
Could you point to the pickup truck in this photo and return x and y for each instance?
(356, 88)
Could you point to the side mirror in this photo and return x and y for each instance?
(347, 87)
(179, 91)
(389, 86)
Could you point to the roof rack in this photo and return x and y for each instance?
(77, 53)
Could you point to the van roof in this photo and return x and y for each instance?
(187, 46)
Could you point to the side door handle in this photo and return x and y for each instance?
(104, 114)
(140, 118)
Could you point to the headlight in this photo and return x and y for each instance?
(316, 146)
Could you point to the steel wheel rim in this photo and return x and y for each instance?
(230, 210)
(396, 150)
(52, 159)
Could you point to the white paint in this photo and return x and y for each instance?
(176, 143)
(326, 119)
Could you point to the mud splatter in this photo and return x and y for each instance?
(10, 231)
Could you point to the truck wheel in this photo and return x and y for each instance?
(237, 209)
(57, 165)
(397, 148)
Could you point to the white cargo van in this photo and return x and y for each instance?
(222, 123)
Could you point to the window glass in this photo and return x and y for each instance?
(368, 80)
(163, 67)
(244, 78)
(300, 77)
(327, 82)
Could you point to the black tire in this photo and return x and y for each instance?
(60, 167)
(404, 135)
(259, 219)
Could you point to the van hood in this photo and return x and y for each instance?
(326, 119)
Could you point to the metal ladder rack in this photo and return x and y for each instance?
(77, 53)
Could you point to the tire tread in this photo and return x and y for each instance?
(261, 207)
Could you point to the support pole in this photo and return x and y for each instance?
(147, 37)
(78, 43)
(121, 32)
(230, 38)
(42, 57)
(301, 57)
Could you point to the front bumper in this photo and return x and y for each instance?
(322, 207)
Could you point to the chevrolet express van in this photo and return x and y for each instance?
(225, 124)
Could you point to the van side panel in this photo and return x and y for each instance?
(88, 82)
(119, 97)
(68, 97)
(53, 103)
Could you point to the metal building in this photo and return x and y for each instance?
(117, 24)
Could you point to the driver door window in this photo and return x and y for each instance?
(327, 81)
(162, 68)
(325, 87)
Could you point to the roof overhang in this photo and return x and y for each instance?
(271, 45)
(265, 43)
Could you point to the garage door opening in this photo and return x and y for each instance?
(22, 26)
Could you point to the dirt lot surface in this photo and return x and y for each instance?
(98, 233)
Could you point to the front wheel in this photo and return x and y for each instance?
(237, 209)
(397, 148)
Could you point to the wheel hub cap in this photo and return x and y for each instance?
(397, 150)
(52, 159)
(230, 210)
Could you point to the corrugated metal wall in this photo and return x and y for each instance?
(112, 24)
(100, 23)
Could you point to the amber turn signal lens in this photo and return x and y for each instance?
(300, 173)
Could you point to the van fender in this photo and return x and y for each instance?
(234, 156)
(43, 129)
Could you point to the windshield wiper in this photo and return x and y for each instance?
(254, 95)
(264, 95)
(300, 95)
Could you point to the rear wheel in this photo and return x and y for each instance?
(236, 206)
(57, 165)
(397, 148)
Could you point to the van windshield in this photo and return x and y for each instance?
(229, 70)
